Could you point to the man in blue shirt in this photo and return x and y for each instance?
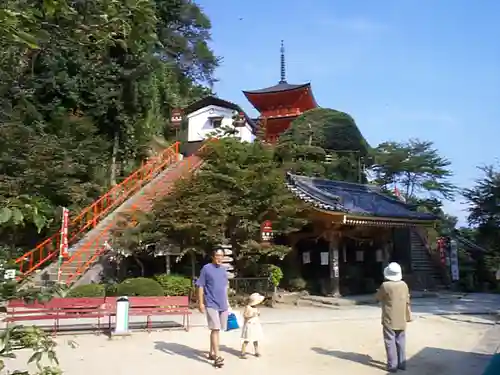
(213, 301)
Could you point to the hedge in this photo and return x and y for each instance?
(140, 286)
(174, 285)
(88, 290)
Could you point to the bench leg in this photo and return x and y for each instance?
(187, 322)
(149, 323)
(56, 327)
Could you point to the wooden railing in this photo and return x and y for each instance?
(92, 215)
(272, 138)
(88, 253)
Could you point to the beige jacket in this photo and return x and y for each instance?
(395, 299)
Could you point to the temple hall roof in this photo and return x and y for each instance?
(280, 87)
(354, 200)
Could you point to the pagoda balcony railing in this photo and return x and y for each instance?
(272, 138)
(282, 112)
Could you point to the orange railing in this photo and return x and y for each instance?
(91, 216)
(91, 250)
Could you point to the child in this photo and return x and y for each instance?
(252, 330)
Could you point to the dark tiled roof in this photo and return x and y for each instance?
(354, 199)
(212, 100)
(277, 88)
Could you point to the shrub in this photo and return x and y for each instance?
(174, 285)
(111, 290)
(140, 286)
(89, 290)
(275, 275)
(297, 284)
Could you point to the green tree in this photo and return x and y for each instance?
(415, 167)
(44, 170)
(239, 186)
(484, 214)
(86, 89)
(324, 142)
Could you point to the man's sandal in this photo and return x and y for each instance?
(218, 362)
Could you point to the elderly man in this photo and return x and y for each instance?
(394, 296)
(213, 301)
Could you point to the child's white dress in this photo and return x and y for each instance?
(252, 329)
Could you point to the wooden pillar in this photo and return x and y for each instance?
(334, 263)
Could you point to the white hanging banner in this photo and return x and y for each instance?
(306, 257)
(360, 256)
(455, 271)
(324, 258)
(379, 255)
(63, 247)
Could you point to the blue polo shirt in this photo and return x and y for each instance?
(213, 279)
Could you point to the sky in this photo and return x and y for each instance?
(427, 69)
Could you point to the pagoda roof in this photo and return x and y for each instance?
(213, 100)
(280, 87)
(356, 203)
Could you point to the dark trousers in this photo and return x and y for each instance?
(395, 348)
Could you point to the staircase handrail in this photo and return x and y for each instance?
(435, 257)
(188, 167)
(92, 215)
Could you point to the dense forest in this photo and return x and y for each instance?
(86, 93)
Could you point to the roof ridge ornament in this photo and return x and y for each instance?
(283, 66)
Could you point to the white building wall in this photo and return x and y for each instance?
(200, 125)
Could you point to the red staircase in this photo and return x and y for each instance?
(91, 229)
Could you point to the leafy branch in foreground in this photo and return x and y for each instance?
(16, 338)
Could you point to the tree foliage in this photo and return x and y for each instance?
(86, 89)
(239, 186)
(484, 213)
(415, 168)
(325, 143)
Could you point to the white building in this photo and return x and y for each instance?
(210, 114)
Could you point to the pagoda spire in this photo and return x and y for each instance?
(283, 71)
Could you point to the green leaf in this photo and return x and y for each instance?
(39, 222)
(27, 39)
(5, 215)
(17, 216)
(36, 357)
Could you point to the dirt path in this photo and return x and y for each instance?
(436, 345)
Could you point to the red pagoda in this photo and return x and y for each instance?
(280, 104)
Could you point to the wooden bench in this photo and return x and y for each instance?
(154, 306)
(57, 309)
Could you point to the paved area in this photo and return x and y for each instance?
(298, 341)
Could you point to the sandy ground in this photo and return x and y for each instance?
(444, 345)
